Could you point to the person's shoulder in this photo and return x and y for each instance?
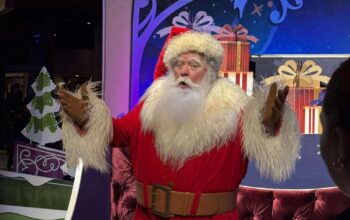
(345, 215)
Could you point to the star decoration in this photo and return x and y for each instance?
(257, 9)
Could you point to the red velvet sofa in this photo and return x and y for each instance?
(319, 204)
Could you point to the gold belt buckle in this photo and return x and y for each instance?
(167, 190)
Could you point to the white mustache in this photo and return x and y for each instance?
(185, 79)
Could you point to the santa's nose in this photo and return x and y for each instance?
(184, 71)
(183, 74)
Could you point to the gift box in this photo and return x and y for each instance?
(245, 80)
(304, 80)
(236, 56)
(235, 41)
(299, 98)
(297, 74)
(300, 82)
(312, 123)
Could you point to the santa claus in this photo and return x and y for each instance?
(191, 135)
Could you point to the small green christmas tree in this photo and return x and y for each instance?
(43, 127)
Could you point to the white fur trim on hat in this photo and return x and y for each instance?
(193, 41)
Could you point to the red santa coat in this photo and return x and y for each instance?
(219, 170)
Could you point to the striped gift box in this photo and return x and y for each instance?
(236, 56)
(244, 79)
(312, 123)
(299, 98)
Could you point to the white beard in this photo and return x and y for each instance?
(188, 122)
(178, 106)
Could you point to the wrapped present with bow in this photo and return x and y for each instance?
(235, 65)
(298, 74)
(304, 80)
(236, 43)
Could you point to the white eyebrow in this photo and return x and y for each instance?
(196, 60)
(177, 60)
(190, 60)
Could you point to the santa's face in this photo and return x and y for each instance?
(192, 65)
(175, 110)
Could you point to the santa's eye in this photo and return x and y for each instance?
(194, 65)
(179, 64)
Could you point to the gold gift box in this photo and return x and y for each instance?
(302, 83)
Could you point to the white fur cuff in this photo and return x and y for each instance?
(98, 132)
(275, 156)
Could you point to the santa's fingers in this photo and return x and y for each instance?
(280, 99)
(62, 98)
(276, 114)
(279, 104)
(71, 99)
(67, 109)
(272, 93)
(63, 102)
(62, 93)
(282, 94)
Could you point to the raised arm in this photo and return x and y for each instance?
(87, 127)
(271, 134)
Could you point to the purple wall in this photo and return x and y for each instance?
(116, 55)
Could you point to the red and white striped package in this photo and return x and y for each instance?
(236, 56)
(245, 80)
(312, 123)
(299, 98)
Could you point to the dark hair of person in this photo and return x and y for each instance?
(336, 104)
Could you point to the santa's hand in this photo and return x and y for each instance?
(75, 107)
(272, 111)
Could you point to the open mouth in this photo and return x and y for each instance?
(183, 85)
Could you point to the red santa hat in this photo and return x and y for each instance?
(182, 40)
